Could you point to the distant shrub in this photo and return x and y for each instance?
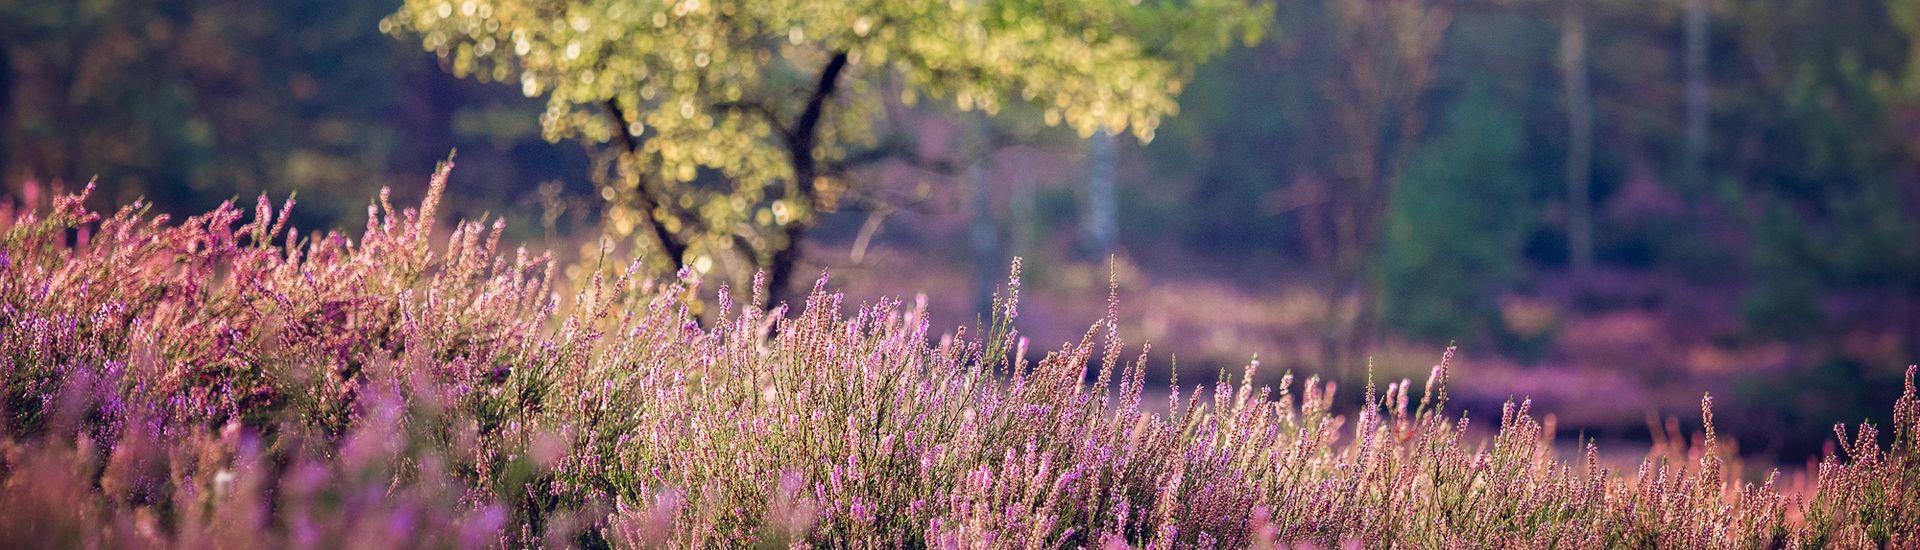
(1457, 226)
(214, 383)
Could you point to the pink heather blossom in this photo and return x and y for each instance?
(215, 382)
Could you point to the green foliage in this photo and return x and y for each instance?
(749, 93)
(1835, 213)
(1782, 303)
(1206, 145)
(191, 108)
(193, 102)
(1457, 225)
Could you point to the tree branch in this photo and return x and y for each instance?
(900, 151)
(758, 108)
(806, 129)
(671, 244)
(627, 139)
(800, 145)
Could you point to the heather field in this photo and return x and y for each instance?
(226, 381)
(982, 274)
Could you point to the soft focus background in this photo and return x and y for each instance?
(1610, 206)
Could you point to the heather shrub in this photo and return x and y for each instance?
(229, 382)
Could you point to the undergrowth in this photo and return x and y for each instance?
(227, 381)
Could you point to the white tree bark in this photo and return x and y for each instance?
(984, 236)
(1100, 224)
(1697, 90)
(1573, 72)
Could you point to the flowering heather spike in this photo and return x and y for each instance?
(280, 221)
(1013, 290)
(1437, 381)
(1113, 309)
(1710, 448)
(436, 187)
(169, 385)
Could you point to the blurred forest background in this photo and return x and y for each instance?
(1610, 206)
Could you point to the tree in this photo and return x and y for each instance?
(1387, 49)
(1698, 88)
(1573, 70)
(1831, 197)
(158, 99)
(1099, 224)
(734, 124)
(1457, 224)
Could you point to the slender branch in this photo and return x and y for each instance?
(627, 139)
(761, 109)
(800, 141)
(671, 244)
(899, 151)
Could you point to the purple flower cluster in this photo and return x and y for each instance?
(215, 382)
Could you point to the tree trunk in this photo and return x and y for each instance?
(1573, 72)
(6, 115)
(1697, 89)
(1387, 67)
(800, 145)
(984, 236)
(1100, 224)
